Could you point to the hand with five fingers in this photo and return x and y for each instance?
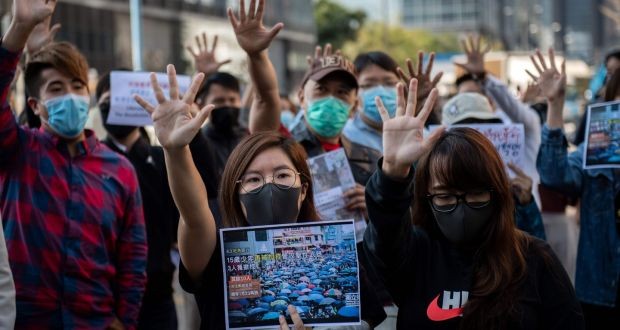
(551, 82)
(175, 124)
(552, 85)
(27, 14)
(425, 83)
(252, 35)
(475, 55)
(403, 138)
(204, 59)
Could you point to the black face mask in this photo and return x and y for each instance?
(465, 224)
(117, 131)
(272, 205)
(224, 119)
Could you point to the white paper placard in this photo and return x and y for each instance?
(124, 110)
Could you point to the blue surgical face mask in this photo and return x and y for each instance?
(327, 116)
(286, 117)
(388, 97)
(67, 114)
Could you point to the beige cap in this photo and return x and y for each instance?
(467, 105)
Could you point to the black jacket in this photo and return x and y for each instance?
(429, 278)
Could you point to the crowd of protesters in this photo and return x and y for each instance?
(455, 240)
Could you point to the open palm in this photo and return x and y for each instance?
(403, 138)
(552, 83)
(251, 34)
(475, 55)
(425, 82)
(32, 12)
(204, 59)
(175, 124)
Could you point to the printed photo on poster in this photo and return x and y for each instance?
(602, 144)
(124, 110)
(312, 266)
(331, 177)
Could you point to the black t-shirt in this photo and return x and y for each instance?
(430, 278)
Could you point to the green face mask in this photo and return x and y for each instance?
(327, 116)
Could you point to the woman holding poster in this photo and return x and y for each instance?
(463, 264)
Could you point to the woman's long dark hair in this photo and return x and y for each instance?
(464, 159)
(240, 159)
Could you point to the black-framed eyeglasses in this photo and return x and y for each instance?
(447, 203)
(253, 183)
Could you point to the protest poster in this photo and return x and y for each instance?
(508, 139)
(311, 265)
(602, 143)
(331, 177)
(124, 110)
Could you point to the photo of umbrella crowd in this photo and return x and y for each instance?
(311, 266)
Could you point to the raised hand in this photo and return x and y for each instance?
(403, 141)
(175, 124)
(29, 13)
(475, 55)
(425, 83)
(521, 185)
(552, 83)
(42, 35)
(26, 15)
(251, 34)
(204, 59)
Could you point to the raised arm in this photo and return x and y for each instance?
(254, 38)
(557, 169)
(175, 127)
(26, 15)
(390, 240)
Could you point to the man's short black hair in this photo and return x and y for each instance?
(223, 79)
(378, 58)
(465, 78)
(612, 54)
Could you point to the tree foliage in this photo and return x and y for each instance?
(335, 23)
(400, 43)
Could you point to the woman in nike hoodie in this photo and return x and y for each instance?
(461, 263)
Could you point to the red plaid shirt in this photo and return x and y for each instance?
(73, 225)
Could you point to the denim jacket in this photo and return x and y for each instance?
(598, 254)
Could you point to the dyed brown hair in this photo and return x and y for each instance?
(61, 56)
(240, 159)
(464, 159)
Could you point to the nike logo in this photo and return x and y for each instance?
(436, 313)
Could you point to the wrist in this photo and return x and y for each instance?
(258, 56)
(395, 171)
(16, 36)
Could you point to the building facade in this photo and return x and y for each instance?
(101, 30)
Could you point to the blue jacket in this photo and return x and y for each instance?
(598, 254)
